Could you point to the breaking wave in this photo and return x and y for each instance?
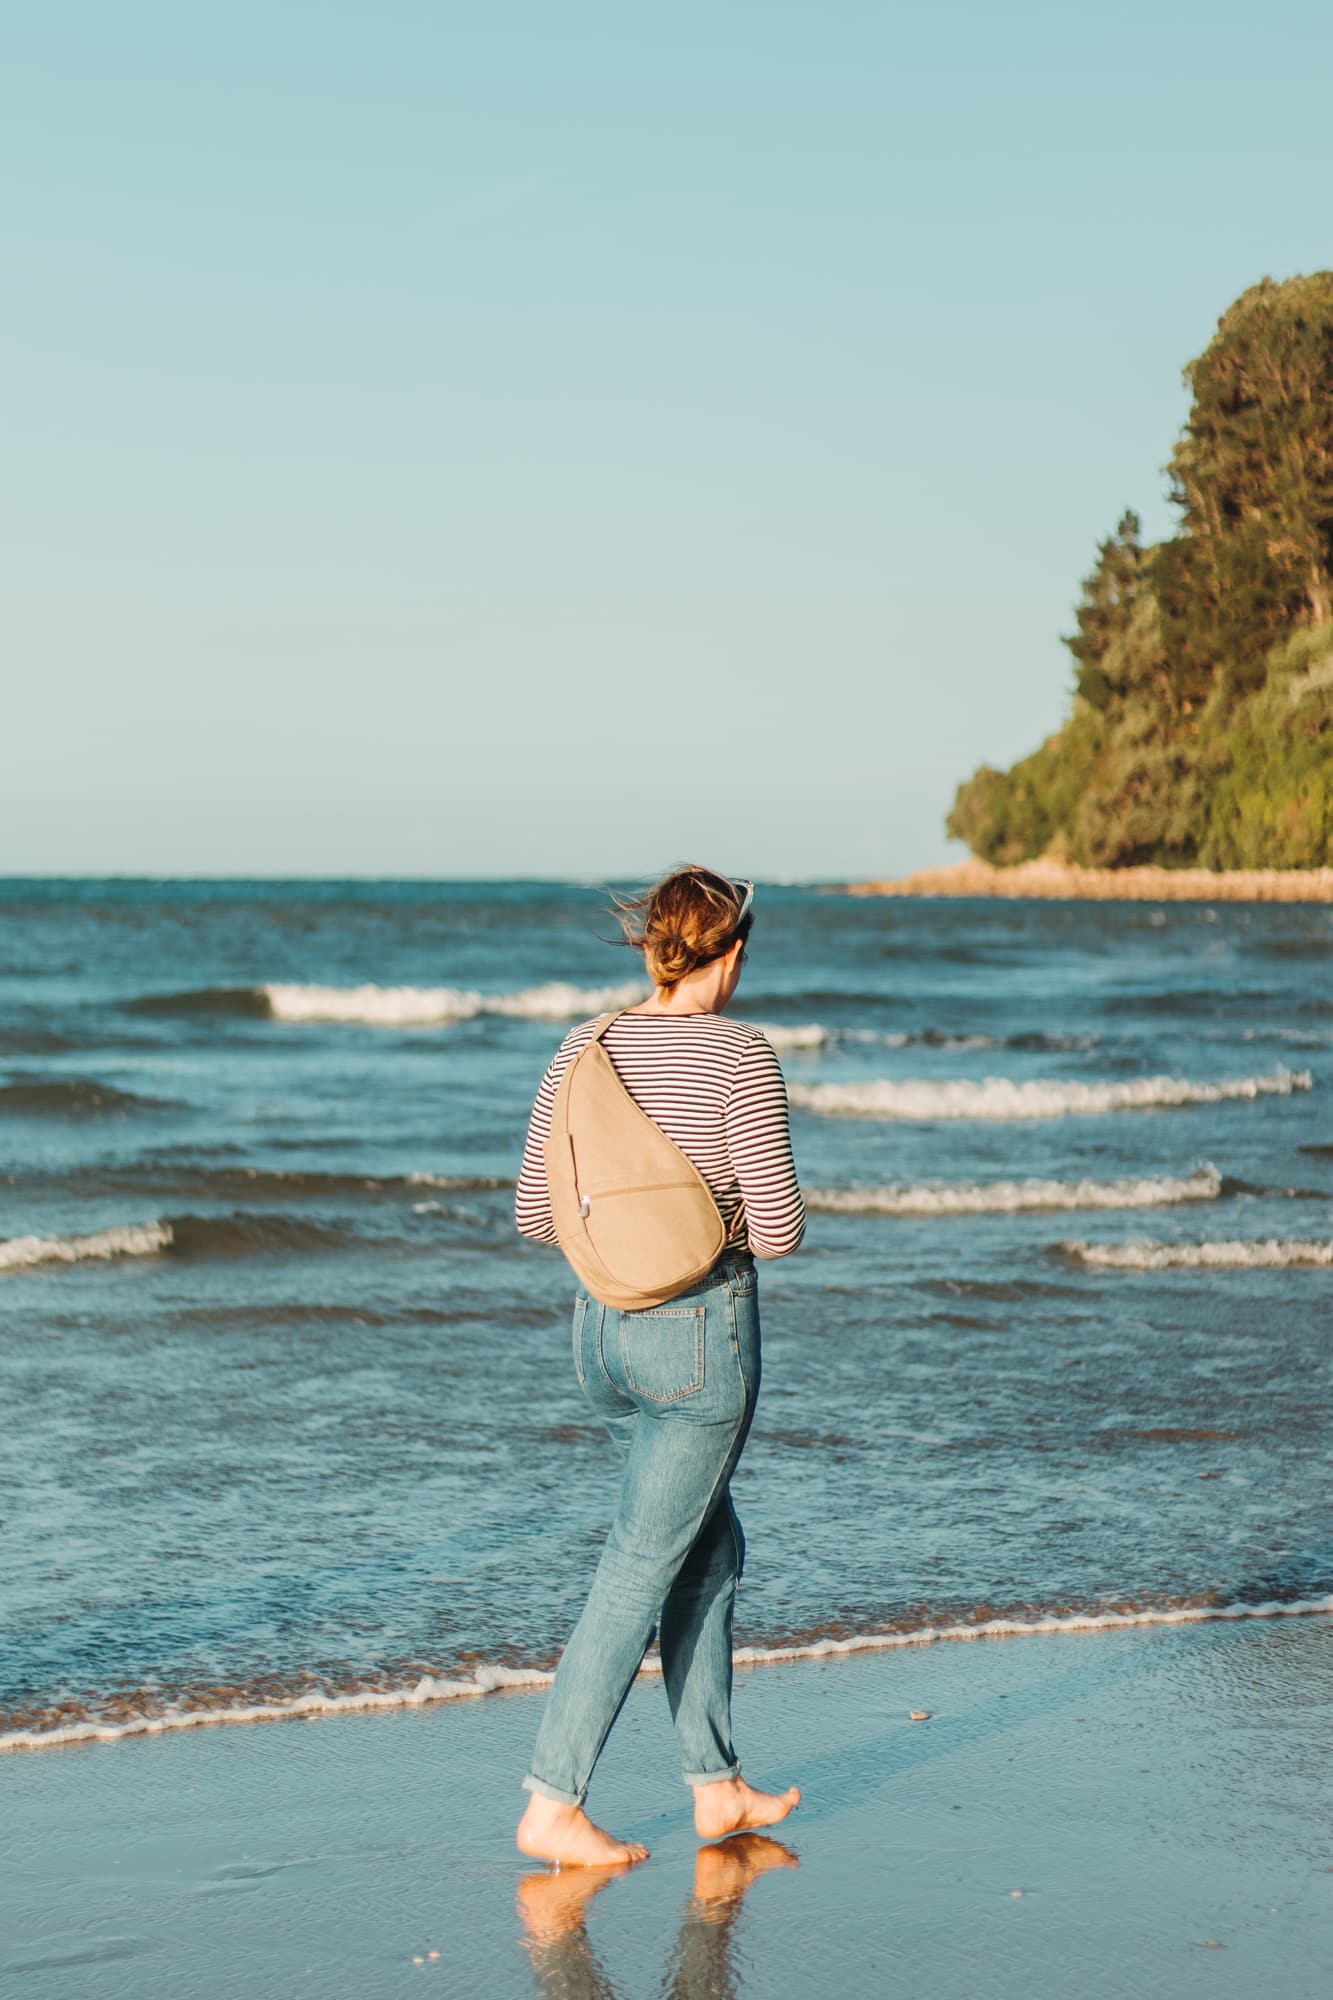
(156, 1718)
(436, 1006)
(186, 1235)
(1267, 1254)
(811, 1035)
(814, 1035)
(392, 1006)
(998, 1097)
(137, 1240)
(422, 1006)
(1011, 1197)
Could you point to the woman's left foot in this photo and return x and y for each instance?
(732, 1806)
(552, 1831)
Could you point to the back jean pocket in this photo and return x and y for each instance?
(663, 1352)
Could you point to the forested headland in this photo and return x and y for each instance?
(1201, 730)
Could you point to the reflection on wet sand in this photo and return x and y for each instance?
(565, 1967)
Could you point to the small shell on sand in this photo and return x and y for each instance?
(919, 1715)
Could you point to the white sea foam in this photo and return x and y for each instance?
(561, 1002)
(998, 1097)
(814, 1035)
(1268, 1254)
(495, 1679)
(430, 1688)
(811, 1035)
(458, 1183)
(136, 1240)
(1023, 1628)
(432, 1006)
(1008, 1197)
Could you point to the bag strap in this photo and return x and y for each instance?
(603, 1025)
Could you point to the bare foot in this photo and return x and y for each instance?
(551, 1831)
(552, 1904)
(732, 1806)
(723, 1873)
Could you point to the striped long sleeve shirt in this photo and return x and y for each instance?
(715, 1087)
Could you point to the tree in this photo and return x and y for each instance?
(1202, 721)
(1252, 474)
(1110, 593)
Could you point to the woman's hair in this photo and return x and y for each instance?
(686, 920)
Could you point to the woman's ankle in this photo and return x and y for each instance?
(717, 1786)
(543, 1806)
(548, 1812)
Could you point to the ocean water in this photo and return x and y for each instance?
(289, 1411)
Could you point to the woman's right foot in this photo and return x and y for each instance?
(550, 1831)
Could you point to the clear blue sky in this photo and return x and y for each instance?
(566, 438)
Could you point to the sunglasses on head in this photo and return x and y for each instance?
(748, 887)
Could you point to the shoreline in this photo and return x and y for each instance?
(1061, 881)
(1110, 1807)
(433, 1690)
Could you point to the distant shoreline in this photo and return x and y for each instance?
(1064, 881)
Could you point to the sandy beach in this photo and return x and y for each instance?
(1141, 1810)
(1064, 881)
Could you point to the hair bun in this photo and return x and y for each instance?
(688, 919)
(673, 954)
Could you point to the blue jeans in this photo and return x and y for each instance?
(676, 1388)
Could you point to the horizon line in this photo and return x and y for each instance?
(577, 881)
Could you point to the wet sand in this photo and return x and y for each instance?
(1107, 1813)
(1062, 881)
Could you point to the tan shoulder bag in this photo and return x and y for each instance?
(635, 1217)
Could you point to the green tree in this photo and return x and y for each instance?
(1106, 607)
(1252, 474)
(1202, 720)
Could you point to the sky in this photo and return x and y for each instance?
(564, 440)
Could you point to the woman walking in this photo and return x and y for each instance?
(675, 1385)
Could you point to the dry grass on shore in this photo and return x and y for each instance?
(1064, 881)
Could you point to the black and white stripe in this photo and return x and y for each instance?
(715, 1087)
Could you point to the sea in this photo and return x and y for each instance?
(290, 1419)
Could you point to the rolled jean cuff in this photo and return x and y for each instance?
(545, 1791)
(694, 1779)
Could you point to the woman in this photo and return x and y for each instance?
(675, 1386)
